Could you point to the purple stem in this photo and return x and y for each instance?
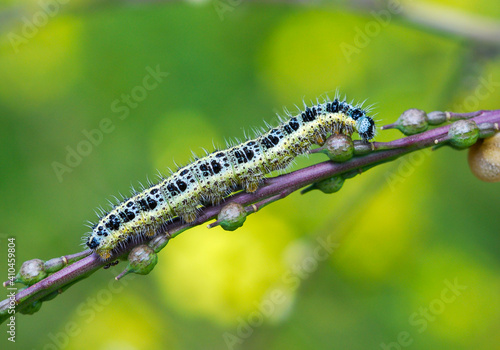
(273, 187)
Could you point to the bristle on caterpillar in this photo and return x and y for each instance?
(211, 178)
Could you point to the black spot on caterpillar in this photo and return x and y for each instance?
(213, 177)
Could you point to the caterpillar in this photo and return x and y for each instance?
(209, 179)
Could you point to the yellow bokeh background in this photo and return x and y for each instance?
(351, 270)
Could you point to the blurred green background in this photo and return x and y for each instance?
(401, 235)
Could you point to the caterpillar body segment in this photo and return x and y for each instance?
(209, 179)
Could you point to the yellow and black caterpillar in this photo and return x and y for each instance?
(213, 177)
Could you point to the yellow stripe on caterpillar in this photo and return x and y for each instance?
(213, 177)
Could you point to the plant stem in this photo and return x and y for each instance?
(271, 190)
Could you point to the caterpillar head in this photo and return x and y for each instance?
(99, 231)
(93, 242)
(366, 127)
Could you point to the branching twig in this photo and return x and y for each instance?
(367, 156)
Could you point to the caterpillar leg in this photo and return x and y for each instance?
(189, 216)
(104, 254)
(251, 186)
(319, 140)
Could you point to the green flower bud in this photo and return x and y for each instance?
(56, 264)
(339, 148)
(463, 134)
(141, 260)
(487, 130)
(484, 159)
(330, 185)
(31, 272)
(32, 308)
(51, 296)
(436, 117)
(362, 147)
(412, 121)
(159, 242)
(232, 216)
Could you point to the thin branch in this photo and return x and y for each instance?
(454, 22)
(367, 156)
(445, 20)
